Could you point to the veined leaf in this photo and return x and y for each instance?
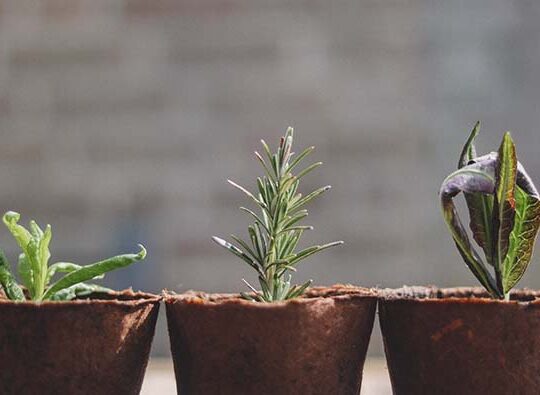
(522, 238)
(91, 271)
(504, 206)
(11, 288)
(481, 213)
(466, 250)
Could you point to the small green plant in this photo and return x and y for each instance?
(504, 212)
(274, 236)
(36, 274)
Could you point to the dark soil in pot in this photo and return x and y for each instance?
(316, 344)
(98, 345)
(459, 341)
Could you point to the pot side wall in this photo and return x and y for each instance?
(314, 346)
(94, 347)
(461, 346)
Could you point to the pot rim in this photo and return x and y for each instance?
(312, 295)
(456, 295)
(125, 297)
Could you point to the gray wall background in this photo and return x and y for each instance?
(121, 120)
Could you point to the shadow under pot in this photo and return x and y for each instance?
(97, 345)
(315, 344)
(459, 341)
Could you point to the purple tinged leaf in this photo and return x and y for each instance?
(469, 179)
(480, 205)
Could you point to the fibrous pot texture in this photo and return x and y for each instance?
(315, 344)
(460, 341)
(97, 345)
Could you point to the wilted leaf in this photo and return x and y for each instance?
(471, 180)
(480, 205)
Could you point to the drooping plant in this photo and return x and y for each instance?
(275, 234)
(504, 211)
(36, 275)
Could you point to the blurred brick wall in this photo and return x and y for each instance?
(121, 120)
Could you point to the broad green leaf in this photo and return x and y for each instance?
(10, 286)
(78, 290)
(65, 267)
(35, 230)
(91, 271)
(504, 205)
(43, 247)
(25, 273)
(21, 235)
(522, 238)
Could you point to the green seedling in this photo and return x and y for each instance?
(38, 278)
(504, 211)
(275, 234)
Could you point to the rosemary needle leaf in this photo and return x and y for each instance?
(276, 232)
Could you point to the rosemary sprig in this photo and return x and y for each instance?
(275, 233)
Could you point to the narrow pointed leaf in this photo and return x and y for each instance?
(300, 157)
(469, 152)
(308, 170)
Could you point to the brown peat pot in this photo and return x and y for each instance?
(97, 345)
(316, 344)
(459, 341)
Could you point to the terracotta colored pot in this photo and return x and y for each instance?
(98, 345)
(316, 344)
(458, 341)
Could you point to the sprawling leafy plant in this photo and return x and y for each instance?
(275, 234)
(36, 274)
(504, 211)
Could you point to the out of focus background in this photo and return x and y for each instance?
(120, 122)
